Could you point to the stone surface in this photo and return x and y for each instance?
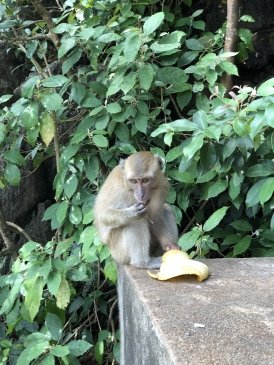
(226, 320)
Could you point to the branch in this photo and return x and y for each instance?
(20, 230)
(192, 220)
(5, 37)
(11, 247)
(231, 36)
(48, 19)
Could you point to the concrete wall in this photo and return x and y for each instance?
(226, 320)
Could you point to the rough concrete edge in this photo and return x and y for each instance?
(124, 272)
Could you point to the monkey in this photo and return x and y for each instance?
(130, 212)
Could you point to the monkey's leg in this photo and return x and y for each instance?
(164, 229)
(136, 236)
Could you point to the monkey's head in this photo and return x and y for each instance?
(141, 173)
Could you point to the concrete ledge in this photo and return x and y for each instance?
(225, 320)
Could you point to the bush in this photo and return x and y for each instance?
(110, 78)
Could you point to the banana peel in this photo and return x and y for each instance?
(177, 263)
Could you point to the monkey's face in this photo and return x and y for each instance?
(141, 188)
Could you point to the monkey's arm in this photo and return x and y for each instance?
(164, 229)
(115, 218)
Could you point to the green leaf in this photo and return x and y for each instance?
(92, 168)
(180, 125)
(229, 68)
(153, 22)
(99, 351)
(54, 326)
(32, 353)
(53, 283)
(87, 237)
(266, 191)
(168, 137)
(62, 212)
(47, 128)
(100, 141)
(28, 87)
(128, 82)
(5, 98)
(132, 46)
(14, 157)
(184, 177)
(70, 185)
(7, 24)
(50, 212)
(59, 351)
(34, 291)
(146, 75)
(108, 37)
(156, 47)
(71, 60)
(247, 18)
(110, 271)
(252, 197)
(12, 174)
(54, 81)
(62, 28)
(141, 122)
(197, 13)
(32, 135)
(267, 88)
(29, 117)
(240, 127)
(200, 118)
(242, 246)
(188, 240)
(48, 360)
(78, 136)
(113, 108)
(66, 45)
(272, 223)
(265, 168)
(213, 189)
(78, 347)
(229, 148)
(13, 294)
(78, 92)
(234, 190)
(241, 225)
(75, 215)
(194, 145)
(31, 48)
(194, 44)
(2, 132)
(174, 153)
(69, 152)
(171, 75)
(63, 294)
(52, 101)
(27, 248)
(269, 115)
(214, 219)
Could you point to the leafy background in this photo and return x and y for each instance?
(105, 79)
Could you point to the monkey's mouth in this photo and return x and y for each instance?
(145, 202)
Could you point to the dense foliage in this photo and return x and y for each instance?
(109, 78)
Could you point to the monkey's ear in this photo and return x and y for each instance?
(162, 162)
(122, 163)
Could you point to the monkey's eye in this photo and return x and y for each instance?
(145, 180)
(133, 181)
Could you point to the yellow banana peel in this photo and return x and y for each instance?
(176, 263)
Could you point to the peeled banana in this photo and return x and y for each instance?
(176, 263)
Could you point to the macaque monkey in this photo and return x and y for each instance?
(131, 215)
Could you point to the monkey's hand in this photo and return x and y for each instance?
(137, 209)
(170, 246)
